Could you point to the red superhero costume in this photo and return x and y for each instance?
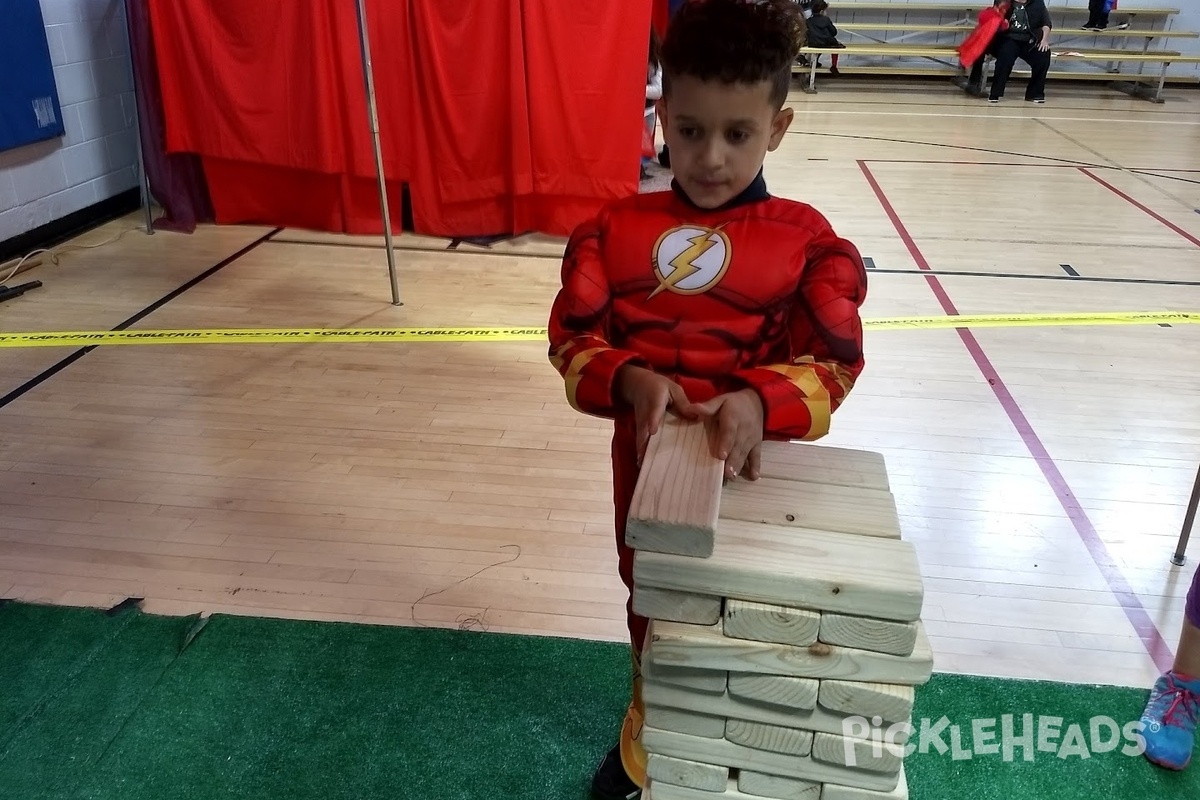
(760, 293)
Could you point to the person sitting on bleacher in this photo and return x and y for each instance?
(1027, 37)
(823, 33)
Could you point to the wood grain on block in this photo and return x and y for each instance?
(678, 493)
(766, 622)
(675, 606)
(834, 791)
(760, 784)
(861, 754)
(690, 722)
(689, 774)
(708, 681)
(681, 645)
(866, 633)
(815, 506)
(776, 690)
(839, 572)
(777, 739)
(665, 791)
(724, 705)
(798, 461)
(892, 702)
(736, 756)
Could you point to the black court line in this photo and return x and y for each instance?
(1072, 278)
(1067, 268)
(136, 318)
(474, 251)
(874, 269)
(869, 263)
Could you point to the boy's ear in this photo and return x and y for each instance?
(779, 126)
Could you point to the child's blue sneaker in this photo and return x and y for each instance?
(1169, 721)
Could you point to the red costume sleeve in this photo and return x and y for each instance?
(578, 328)
(799, 397)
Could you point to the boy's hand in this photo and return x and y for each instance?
(651, 395)
(739, 431)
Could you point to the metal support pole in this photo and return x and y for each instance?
(369, 77)
(1189, 519)
(144, 180)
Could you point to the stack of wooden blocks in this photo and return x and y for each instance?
(785, 639)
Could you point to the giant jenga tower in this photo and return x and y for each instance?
(785, 638)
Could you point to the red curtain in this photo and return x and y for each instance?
(502, 116)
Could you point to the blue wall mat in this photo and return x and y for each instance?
(29, 109)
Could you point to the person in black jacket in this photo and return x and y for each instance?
(1027, 38)
(822, 32)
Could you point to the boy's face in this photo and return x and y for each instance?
(719, 135)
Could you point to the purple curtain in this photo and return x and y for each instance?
(177, 181)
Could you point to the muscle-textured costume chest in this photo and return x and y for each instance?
(698, 294)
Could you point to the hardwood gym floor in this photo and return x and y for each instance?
(1041, 471)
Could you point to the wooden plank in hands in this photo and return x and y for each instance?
(678, 494)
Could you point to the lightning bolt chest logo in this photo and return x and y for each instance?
(690, 259)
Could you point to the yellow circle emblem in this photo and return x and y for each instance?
(690, 259)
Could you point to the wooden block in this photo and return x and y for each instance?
(815, 506)
(689, 722)
(708, 681)
(689, 774)
(839, 572)
(775, 738)
(865, 633)
(776, 690)
(761, 784)
(801, 461)
(864, 754)
(891, 702)
(734, 791)
(736, 756)
(678, 493)
(657, 693)
(681, 645)
(675, 606)
(765, 622)
(834, 791)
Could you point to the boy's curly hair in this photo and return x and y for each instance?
(735, 41)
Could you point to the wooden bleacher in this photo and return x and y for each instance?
(1113, 61)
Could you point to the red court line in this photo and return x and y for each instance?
(1153, 641)
(1133, 202)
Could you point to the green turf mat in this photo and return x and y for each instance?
(100, 708)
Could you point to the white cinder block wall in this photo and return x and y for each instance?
(97, 159)
(1188, 19)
